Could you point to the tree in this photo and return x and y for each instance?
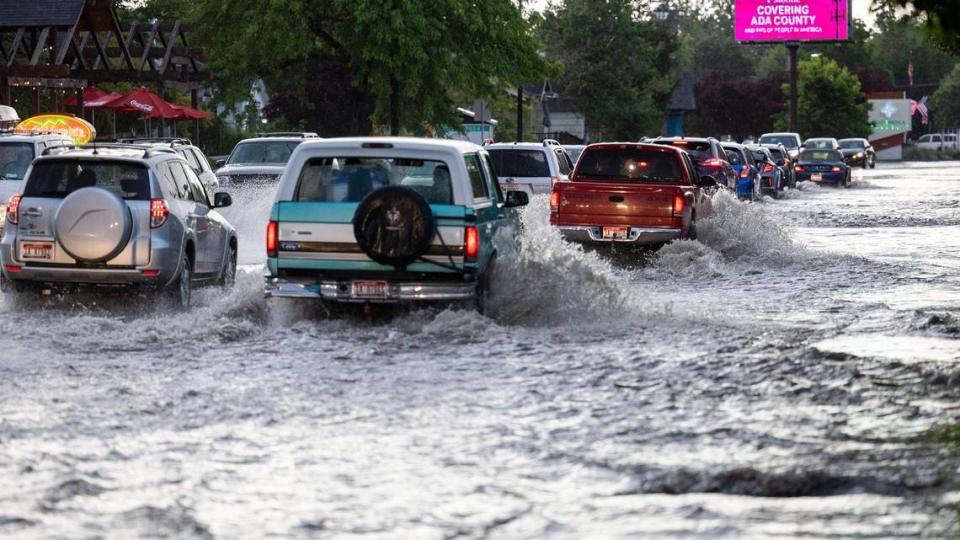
(830, 101)
(617, 64)
(390, 60)
(945, 102)
(738, 108)
(941, 19)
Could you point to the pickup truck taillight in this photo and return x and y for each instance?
(471, 244)
(13, 209)
(678, 204)
(555, 202)
(158, 212)
(272, 239)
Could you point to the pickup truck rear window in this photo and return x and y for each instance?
(629, 165)
(349, 179)
(520, 163)
(57, 179)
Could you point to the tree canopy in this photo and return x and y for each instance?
(830, 102)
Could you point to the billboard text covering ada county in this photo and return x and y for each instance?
(791, 20)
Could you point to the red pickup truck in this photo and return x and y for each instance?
(635, 194)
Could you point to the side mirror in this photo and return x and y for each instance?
(220, 163)
(223, 200)
(516, 198)
(707, 182)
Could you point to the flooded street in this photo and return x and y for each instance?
(776, 378)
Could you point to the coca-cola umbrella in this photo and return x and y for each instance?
(145, 102)
(93, 98)
(189, 113)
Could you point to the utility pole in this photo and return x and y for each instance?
(520, 113)
(792, 48)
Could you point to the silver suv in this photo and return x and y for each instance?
(17, 151)
(113, 214)
(259, 160)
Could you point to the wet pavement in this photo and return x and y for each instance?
(775, 379)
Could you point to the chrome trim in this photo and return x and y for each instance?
(355, 257)
(637, 235)
(340, 291)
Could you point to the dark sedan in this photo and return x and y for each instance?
(858, 153)
(822, 167)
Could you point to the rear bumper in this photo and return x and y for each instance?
(827, 177)
(636, 236)
(57, 277)
(341, 290)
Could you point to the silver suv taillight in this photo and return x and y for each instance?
(13, 209)
(158, 212)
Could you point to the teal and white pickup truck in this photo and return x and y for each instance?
(389, 220)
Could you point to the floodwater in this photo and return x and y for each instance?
(775, 379)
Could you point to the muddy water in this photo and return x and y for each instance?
(773, 379)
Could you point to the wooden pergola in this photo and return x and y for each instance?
(71, 44)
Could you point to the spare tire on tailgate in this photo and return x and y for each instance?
(93, 225)
(393, 225)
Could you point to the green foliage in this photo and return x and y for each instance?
(940, 19)
(421, 51)
(945, 103)
(616, 64)
(830, 101)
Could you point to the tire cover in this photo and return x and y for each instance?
(93, 225)
(393, 225)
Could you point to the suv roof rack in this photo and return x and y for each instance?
(147, 149)
(301, 134)
(157, 140)
(551, 142)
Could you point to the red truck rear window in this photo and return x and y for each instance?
(629, 165)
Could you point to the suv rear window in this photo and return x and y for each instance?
(698, 150)
(15, 158)
(629, 165)
(520, 163)
(274, 152)
(785, 140)
(346, 179)
(59, 178)
(776, 153)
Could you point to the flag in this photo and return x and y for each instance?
(923, 110)
(910, 72)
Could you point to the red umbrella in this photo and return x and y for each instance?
(144, 101)
(189, 113)
(93, 98)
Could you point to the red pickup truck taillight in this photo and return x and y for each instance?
(678, 204)
(555, 201)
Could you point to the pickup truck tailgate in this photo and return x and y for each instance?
(592, 203)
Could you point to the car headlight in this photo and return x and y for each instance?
(858, 155)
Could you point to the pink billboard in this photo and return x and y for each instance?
(791, 20)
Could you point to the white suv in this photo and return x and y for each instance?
(17, 152)
(531, 167)
(259, 160)
(194, 156)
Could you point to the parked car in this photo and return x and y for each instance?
(781, 156)
(790, 141)
(259, 160)
(821, 143)
(530, 167)
(631, 194)
(194, 156)
(708, 156)
(823, 167)
(389, 220)
(748, 175)
(938, 141)
(574, 151)
(17, 152)
(112, 215)
(858, 152)
(772, 180)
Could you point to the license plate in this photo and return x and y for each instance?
(816, 177)
(37, 251)
(615, 233)
(370, 289)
